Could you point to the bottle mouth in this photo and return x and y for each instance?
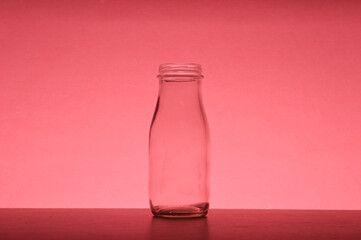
(180, 70)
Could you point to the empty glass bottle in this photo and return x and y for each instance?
(178, 145)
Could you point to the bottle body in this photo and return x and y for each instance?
(178, 146)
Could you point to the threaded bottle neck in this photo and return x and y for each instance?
(179, 70)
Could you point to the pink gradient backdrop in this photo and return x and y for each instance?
(282, 93)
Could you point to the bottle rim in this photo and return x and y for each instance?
(180, 70)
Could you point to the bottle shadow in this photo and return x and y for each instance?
(179, 228)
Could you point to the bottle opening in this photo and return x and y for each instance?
(180, 70)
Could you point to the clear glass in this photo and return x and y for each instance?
(179, 145)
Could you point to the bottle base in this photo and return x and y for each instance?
(190, 211)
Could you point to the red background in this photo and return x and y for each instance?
(282, 92)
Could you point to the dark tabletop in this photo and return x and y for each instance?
(120, 224)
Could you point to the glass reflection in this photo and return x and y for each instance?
(184, 228)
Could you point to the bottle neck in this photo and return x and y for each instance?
(180, 87)
(179, 94)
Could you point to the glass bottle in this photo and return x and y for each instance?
(178, 144)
